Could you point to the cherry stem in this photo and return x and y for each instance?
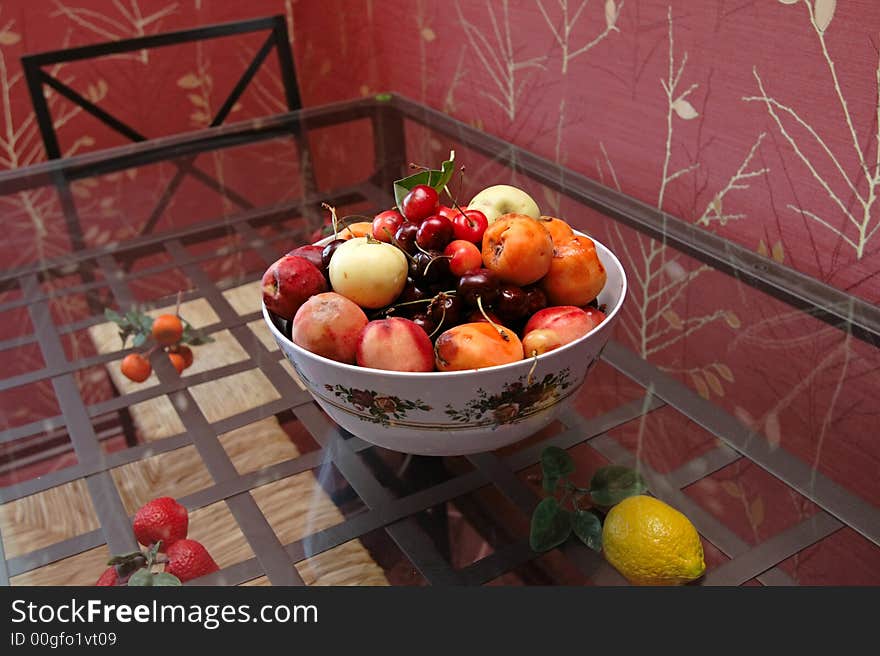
(413, 165)
(395, 241)
(532, 370)
(333, 219)
(439, 257)
(500, 330)
(451, 292)
(440, 324)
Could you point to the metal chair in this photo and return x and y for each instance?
(37, 78)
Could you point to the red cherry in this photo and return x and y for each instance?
(512, 302)
(421, 202)
(449, 212)
(466, 257)
(406, 237)
(435, 232)
(470, 226)
(385, 225)
(482, 284)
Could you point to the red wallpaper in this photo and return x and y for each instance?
(754, 119)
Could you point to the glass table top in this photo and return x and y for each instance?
(745, 393)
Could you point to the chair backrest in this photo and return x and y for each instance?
(37, 77)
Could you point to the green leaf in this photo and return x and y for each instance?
(588, 528)
(194, 337)
(383, 97)
(551, 525)
(139, 340)
(153, 553)
(115, 560)
(141, 577)
(614, 483)
(549, 483)
(112, 316)
(556, 463)
(165, 579)
(433, 178)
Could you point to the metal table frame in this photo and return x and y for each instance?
(384, 510)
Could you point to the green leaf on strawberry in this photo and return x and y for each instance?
(142, 577)
(166, 579)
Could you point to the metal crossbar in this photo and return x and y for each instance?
(396, 512)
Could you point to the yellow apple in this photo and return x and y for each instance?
(498, 200)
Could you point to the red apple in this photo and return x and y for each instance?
(556, 326)
(395, 344)
(329, 324)
(310, 252)
(289, 282)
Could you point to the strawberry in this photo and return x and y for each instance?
(188, 559)
(161, 519)
(109, 577)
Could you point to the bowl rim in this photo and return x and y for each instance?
(436, 375)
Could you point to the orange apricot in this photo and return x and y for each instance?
(359, 229)
(518, 249)
(576, 274)
(560, 231)
(476, 345)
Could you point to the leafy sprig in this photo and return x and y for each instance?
(136, 568)
(138, 324)
(438, 179)
(556, 517)
(134, 322)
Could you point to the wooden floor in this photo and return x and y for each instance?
(294, 506)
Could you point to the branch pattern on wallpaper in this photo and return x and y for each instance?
(854, 227)
(660, 280)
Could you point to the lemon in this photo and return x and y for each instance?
(651, 543)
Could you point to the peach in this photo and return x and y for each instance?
(395, 344)
(288, 282)
(560, 231)
(576, 274)
(518, 249)
(557, 326)
(476, 345)
(329, 325)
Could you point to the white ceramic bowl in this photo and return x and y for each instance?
(460, 412)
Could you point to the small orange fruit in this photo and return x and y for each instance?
(136, 367)
(178, 361)
(167, 329)
(186, 353)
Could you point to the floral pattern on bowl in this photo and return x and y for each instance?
(382, 409)
(515, 401)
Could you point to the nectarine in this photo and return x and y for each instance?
(329, 325)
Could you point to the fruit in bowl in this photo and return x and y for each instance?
(433, 344)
